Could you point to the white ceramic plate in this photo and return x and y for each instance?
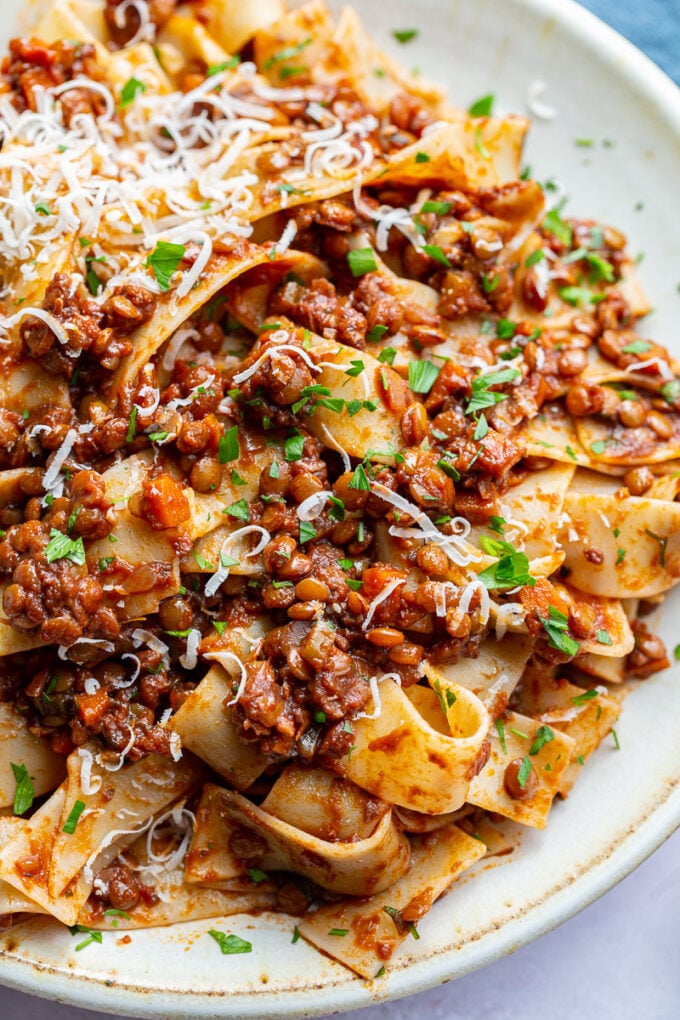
(626, 802)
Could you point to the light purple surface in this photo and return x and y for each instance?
(617, 960)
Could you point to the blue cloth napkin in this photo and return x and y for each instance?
(652, 25)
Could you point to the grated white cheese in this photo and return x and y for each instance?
(227, 659)
(271, 352)
(375, 694)
(391, 586)
(51, 477)
(222, 572)
(311, 507)
(89, 783)
(190, 658)
(535, 105)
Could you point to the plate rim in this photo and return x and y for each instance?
(593, 880)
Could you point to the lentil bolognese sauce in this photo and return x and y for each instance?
(335, 480)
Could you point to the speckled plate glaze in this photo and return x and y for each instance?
(627, 802)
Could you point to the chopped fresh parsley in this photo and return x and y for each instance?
(511, 569)
(422, 157)
(481, 428)
(360, 480)
(92, 936)
(230, 945)
(482, 107)
(203, 564)
(447, 697)
(482, 396)
(228, 448)
(505, 329)
(436, 253)
(500, 729)
(69, 826)
(132, 425)
(637, 347)
(556, 226)
(361, 261)
(225, 65)
(387, 355)
(238, 510)
(293, 447)
(61, 547)
(523, 773)
(164, 260)
(404, 35)
(448, 468)
(583, 699)
(130, 91)
(307, 532)
(575, 296)
(480, 146)
(543, 736)
(256, 875)
(556, 626)
(24, 793)
(440, 208)
(535, 257)
(376, 333)
(663, 545)
(422, 376)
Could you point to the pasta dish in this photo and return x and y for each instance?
(336, 483)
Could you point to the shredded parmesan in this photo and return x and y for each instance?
(391, 586)
(90, 784)
(138, 669)
(179, 824)
(190, 658)
(105, 646)
(287, 237)
(51, 477)
(311, 507)
(271, 352)
(375, 694)
(140, 636)
(175, 345)
(222, 572)
(512, 614)
(117, 764)
(39, 313)
(455, 547)
(226, 659)
(536, 107)
(661, 366)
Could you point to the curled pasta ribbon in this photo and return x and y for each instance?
(648, 530)
(315, 825)
(207, 730)
(416, 760)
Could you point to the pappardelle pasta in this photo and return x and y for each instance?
(335, 481)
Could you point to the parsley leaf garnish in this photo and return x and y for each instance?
(164, 260)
